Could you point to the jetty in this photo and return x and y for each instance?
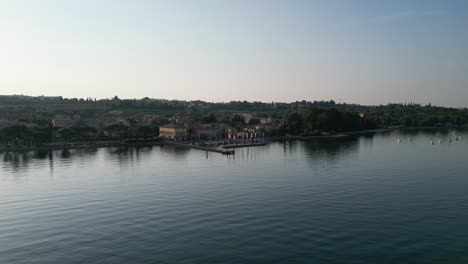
(224, 151)
(243, 145)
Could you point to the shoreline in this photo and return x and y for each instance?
(267, 140)
(75, 145)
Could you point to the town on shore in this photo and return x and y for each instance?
(28, 122)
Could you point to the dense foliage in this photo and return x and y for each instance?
(33, 134)
(414, 115)
(316, 120)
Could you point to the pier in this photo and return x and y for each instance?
(244, 145)
(224, 151)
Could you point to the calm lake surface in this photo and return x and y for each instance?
(365, 199)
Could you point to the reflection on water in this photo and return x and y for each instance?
(362, 199)
(21, 160)
(128, 154)
(174, 150)
(328, 149)
(332, 148)
(316, 150)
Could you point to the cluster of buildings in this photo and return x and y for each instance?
(209, 132)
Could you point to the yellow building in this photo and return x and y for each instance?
(173, 132)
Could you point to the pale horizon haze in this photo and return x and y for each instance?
(357, 51)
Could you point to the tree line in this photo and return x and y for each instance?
(315, 121)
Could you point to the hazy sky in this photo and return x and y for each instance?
(367, 52)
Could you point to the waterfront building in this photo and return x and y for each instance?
(210, 131)
(246, 133)
(173, 132)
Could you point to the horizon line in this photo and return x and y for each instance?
(229, 101)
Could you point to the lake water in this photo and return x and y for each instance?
(365, 199)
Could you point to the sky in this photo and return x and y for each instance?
(355, 51)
